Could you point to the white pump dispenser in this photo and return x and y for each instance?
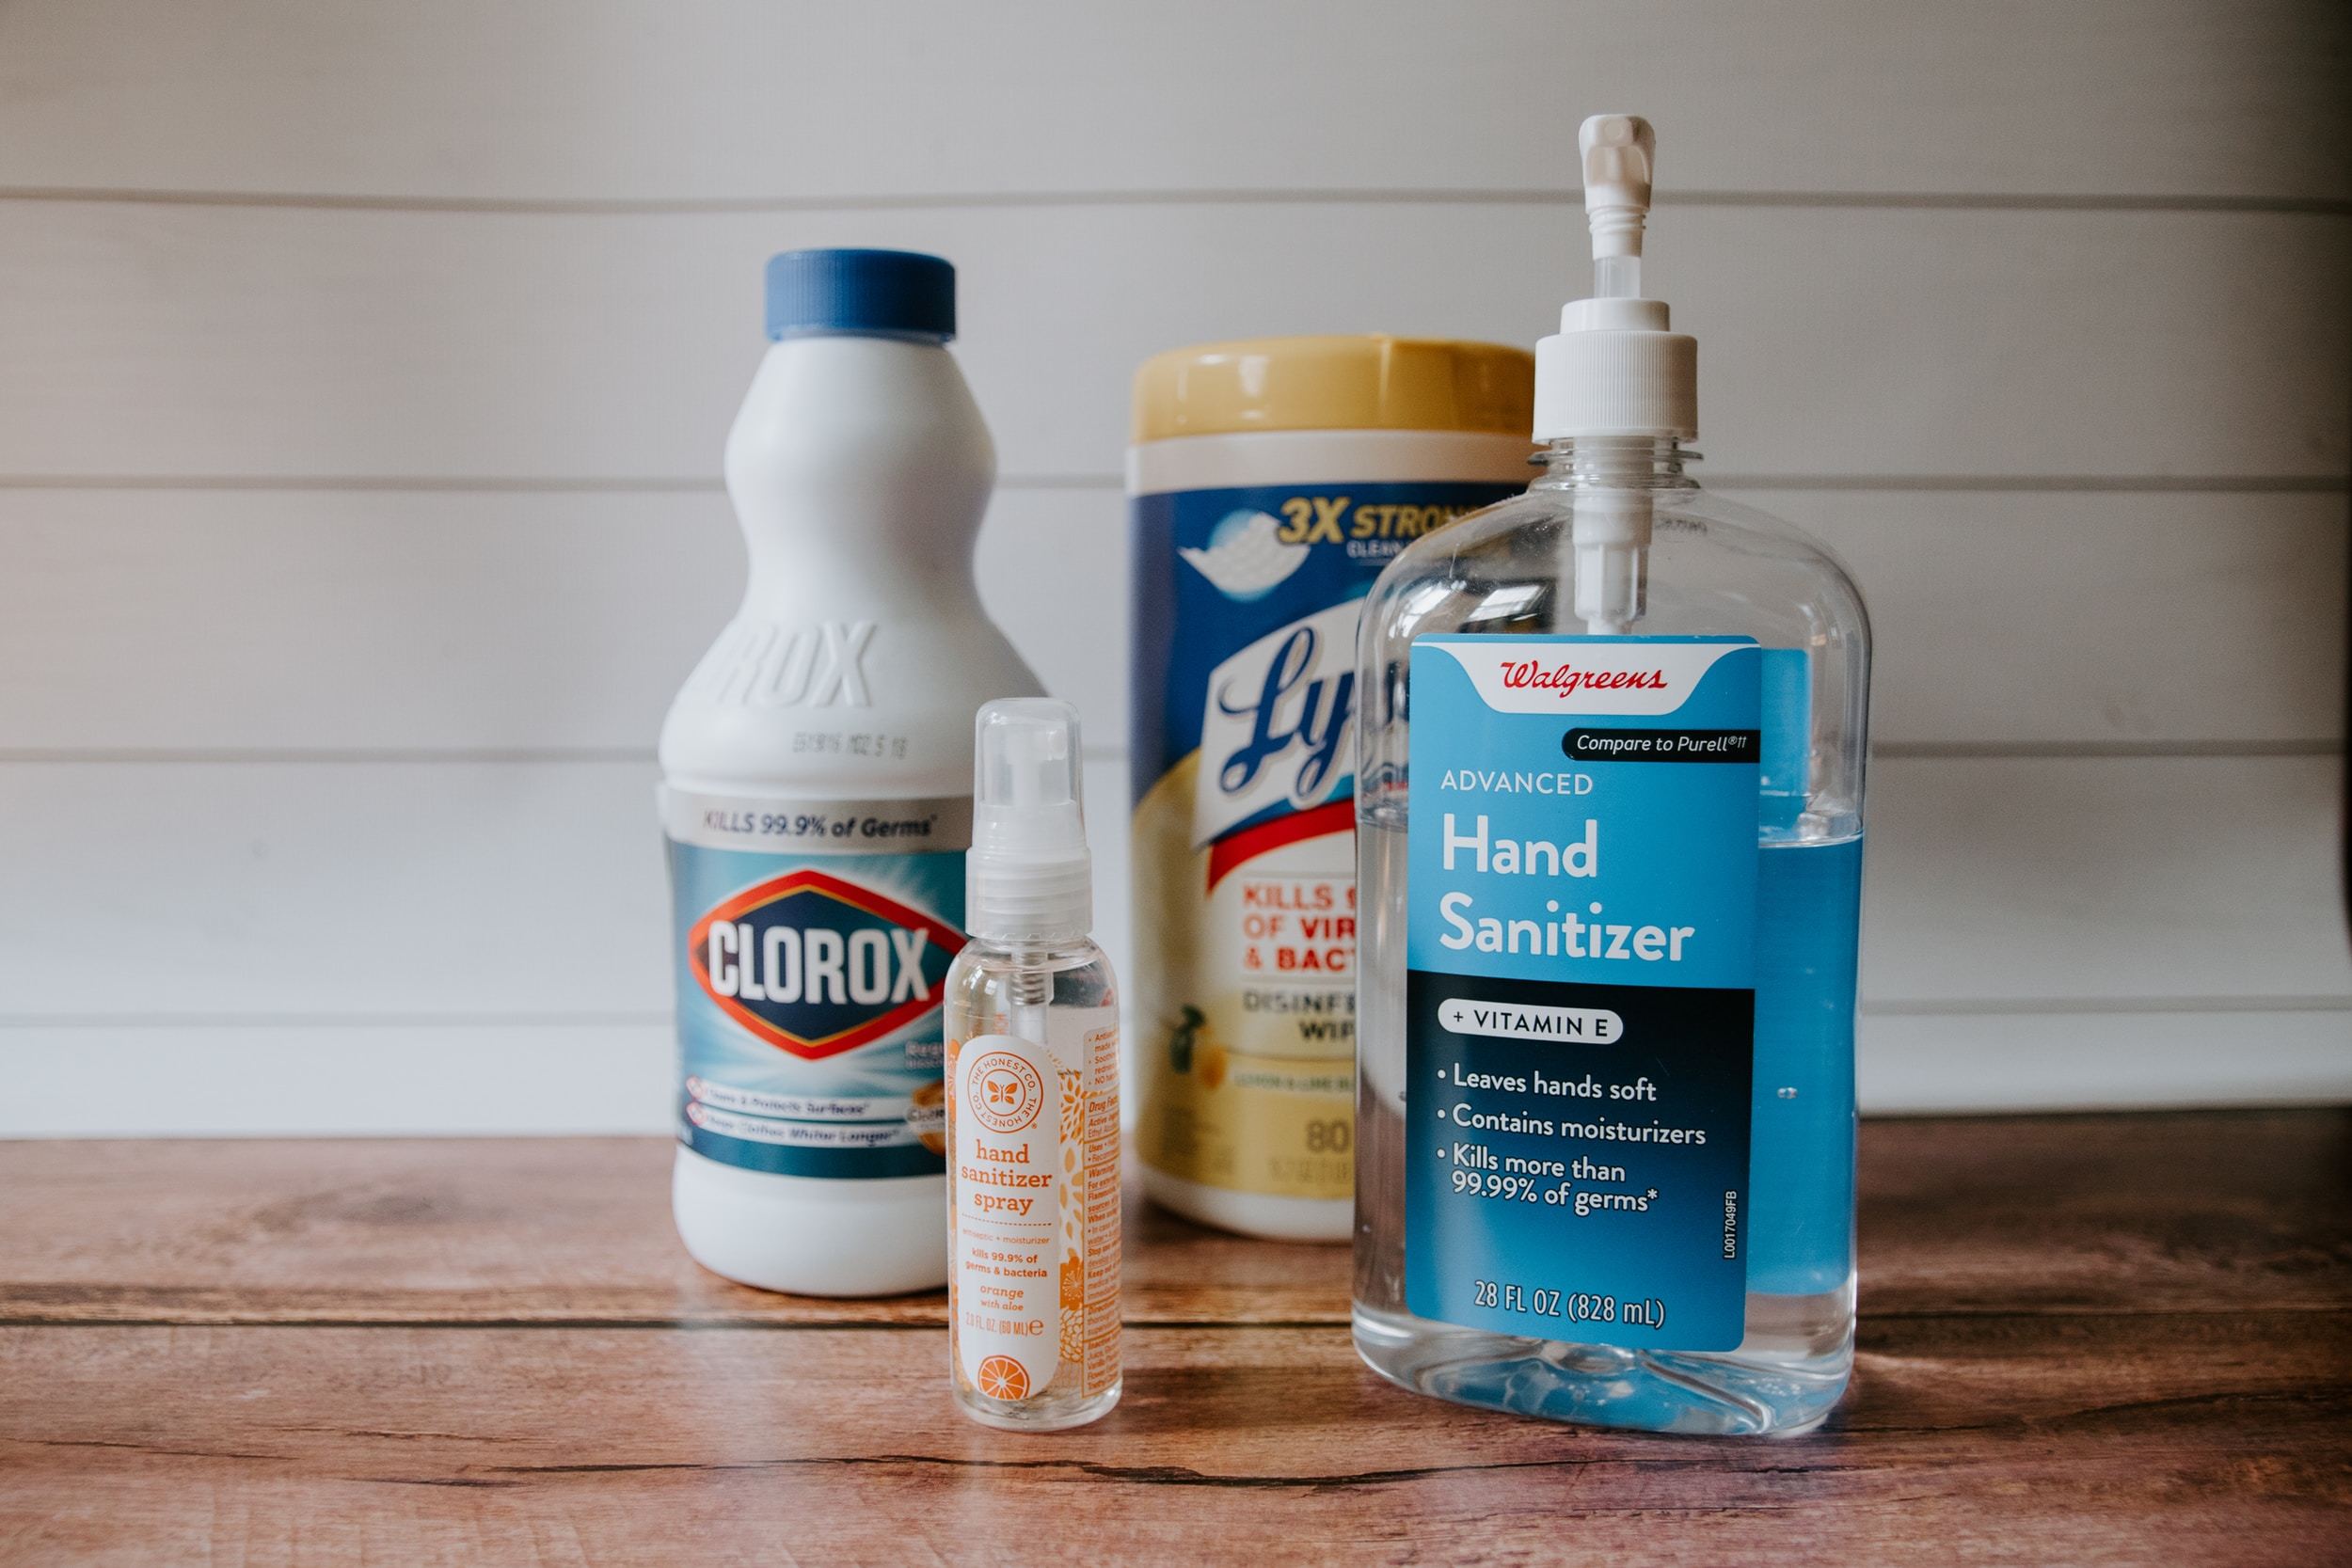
(1614, 379)
(1613, 369)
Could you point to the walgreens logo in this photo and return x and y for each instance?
(1565, 680)
(1633, 676)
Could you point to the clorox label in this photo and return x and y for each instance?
(813, 940)
(816, 964)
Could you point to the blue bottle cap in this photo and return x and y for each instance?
(893, 294)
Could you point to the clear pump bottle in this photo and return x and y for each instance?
(1612, 544)
(1033, 1203)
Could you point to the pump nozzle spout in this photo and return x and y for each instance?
(1620, 151)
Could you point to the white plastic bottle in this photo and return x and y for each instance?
(817, 791)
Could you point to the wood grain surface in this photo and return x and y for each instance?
(2084, 1339)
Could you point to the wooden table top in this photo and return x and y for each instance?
(2084, 1339)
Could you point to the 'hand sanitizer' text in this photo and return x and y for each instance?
(1562, 936)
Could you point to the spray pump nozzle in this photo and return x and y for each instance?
(1029, 876)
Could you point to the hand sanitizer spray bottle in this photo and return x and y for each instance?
(1609, 780)
(1032, 1094)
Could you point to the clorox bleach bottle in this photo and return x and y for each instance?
(817, 791)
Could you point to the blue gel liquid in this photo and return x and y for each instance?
(1801, 1153)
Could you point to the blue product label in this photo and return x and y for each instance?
(1581, 986)
(813, 943)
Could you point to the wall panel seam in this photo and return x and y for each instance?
(1111, 485)
(1989, 202)
(1940, 751)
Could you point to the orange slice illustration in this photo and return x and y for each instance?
(1003, 1378)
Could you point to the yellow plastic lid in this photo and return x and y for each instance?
(1371, 382)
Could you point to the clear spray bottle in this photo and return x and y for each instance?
(1032, 1093)
(1609, 810)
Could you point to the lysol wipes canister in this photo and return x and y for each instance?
(1270, 482)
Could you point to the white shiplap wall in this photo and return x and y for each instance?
(363, 371)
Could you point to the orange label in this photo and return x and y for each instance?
(1034, 1164)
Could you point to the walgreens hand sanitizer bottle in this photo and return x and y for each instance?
(1609, 818)
(816, 792)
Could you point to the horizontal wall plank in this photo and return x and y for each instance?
(302, 1079)
(477, 893)
(376, 1079)
(750, 101)
(488, 891)
(318, 620)
(531, 893)
(190, 340)
(312, 621)
(2102, 618)
(2097, 1061)
(2110, 879)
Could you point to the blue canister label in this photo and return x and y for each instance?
(812, 940)
(1244, 975)
(1581, 986)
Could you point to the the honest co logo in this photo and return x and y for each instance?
(817, 965)
(1277, 728)
(1006, 1092)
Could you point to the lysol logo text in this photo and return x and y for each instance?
(1278, 725)
(817, 965)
